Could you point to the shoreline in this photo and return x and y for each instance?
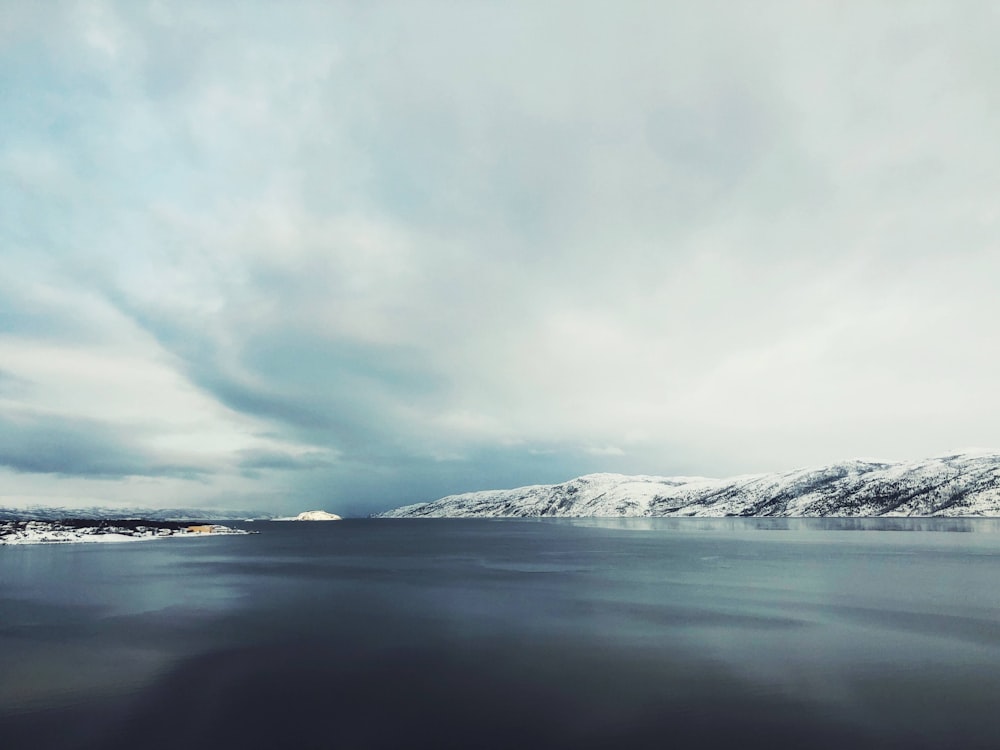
(73, 531)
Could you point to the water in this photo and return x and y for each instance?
(517, 633)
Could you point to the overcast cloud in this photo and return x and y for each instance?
(354, 255)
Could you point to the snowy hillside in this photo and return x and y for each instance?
(956, 485)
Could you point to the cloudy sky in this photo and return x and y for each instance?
(353, 255)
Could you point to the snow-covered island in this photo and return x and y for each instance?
(312, 515)
(965, 484)
(89, 530)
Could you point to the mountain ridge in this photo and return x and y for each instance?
(958, 484)
(57, 513)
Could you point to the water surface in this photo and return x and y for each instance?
(503, 633)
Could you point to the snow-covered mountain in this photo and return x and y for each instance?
(964, 484)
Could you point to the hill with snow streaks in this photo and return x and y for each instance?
(963, 484)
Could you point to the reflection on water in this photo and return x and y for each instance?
(882, 523)
(583, 633)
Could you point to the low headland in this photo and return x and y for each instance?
(69, 530)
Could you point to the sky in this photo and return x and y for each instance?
(353, 255)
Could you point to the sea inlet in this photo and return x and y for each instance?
(591, 633)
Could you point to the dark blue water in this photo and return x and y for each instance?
(500, 634)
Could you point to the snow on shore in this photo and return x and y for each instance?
(61, 532)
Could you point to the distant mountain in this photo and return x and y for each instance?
(49, 513)
(958, 485)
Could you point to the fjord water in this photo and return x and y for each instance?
(593, 633)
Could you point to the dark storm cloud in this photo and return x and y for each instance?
(331, 391)
(257, 459)
(79, 448)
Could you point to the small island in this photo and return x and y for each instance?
(312, 515)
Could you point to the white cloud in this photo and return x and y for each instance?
(652, 236)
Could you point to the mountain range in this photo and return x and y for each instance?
(53, 513)
(963, 484)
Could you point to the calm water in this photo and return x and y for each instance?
(500, 634)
